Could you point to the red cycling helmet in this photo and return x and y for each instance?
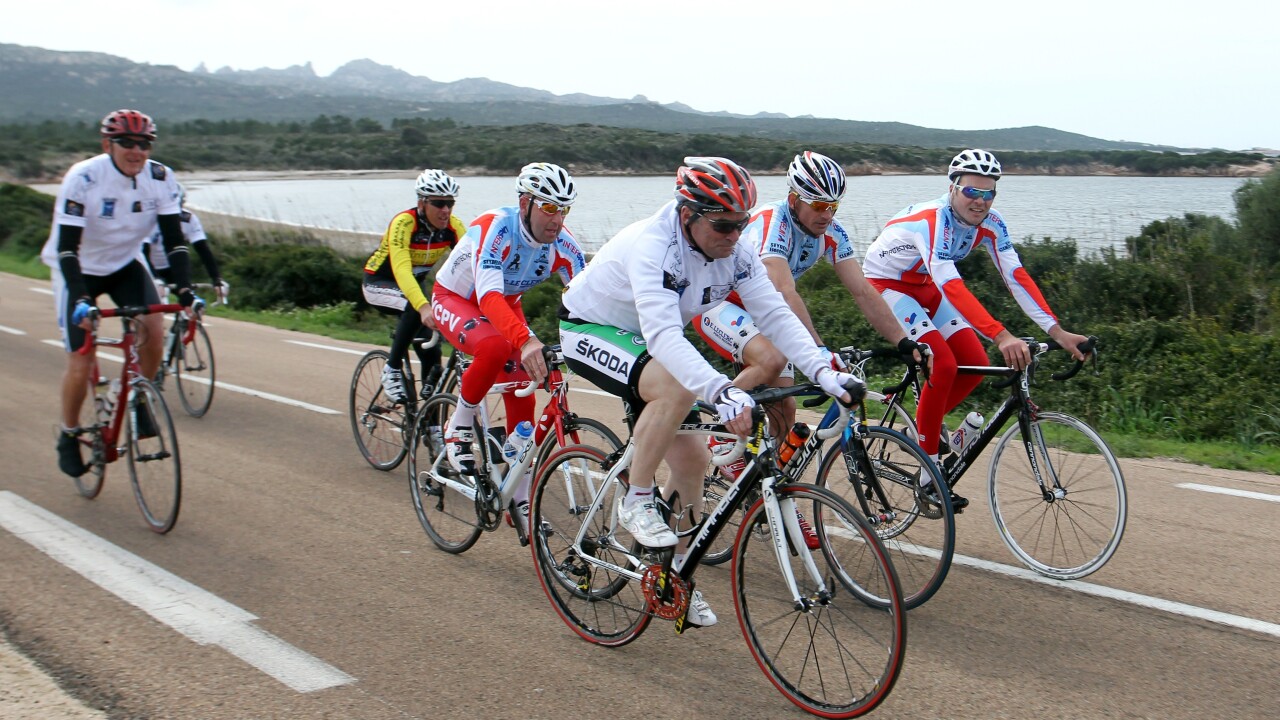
(128, 122)
(715, 184)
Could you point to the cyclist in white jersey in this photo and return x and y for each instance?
(193, 232)
(476, 300)
(622, 327)
(792, 235)
(106, 206)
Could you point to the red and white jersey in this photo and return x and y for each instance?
(497, 255)
(775, 233)
(923, 243)
(117, 212)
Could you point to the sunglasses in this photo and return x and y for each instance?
(821, 206)
(726, 227)
(551, 208)
(130, 143)
(974, 193)
(438, 203)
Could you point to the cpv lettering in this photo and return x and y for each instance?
(445, 317)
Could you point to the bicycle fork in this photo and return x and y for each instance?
(784, 523)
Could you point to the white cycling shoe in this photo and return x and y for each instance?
(644, 523)
(700, 613)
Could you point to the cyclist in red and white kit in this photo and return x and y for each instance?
(106, 207)
(913, 265)
(476, 300)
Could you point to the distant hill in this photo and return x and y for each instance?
(39, 84)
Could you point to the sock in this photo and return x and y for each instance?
(522, 490)
(635, 495)
(927, 478)
(463, 416)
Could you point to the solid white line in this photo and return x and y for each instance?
(227, 386)
(196, 613)
(42, 291)
(1228, 491)
(328, 347)
(12, 331)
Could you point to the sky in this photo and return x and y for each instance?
(1182, 73)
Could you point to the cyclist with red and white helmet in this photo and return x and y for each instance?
(396, 274)
(476, 300)
(913, 265)
(791, 236)
(106, 207)
(622, 327)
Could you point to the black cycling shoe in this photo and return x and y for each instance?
(69, 460)
(146, 428)
(958, 503)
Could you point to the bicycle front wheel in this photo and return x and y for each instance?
(1073, 526)
(93, 447)
(584, 581)
(443, 498)
(831, 653)
(193, 369)
(155, 468)
(918, 528)
(381, 426)
(579, 431)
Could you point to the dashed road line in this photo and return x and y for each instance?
(1230, 491)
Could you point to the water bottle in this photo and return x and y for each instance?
(731, 470)
(969, 429)
(517, 441)
(113, 394)
(797, 437)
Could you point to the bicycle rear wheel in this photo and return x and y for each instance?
(595, 599)
(381, 427)
(155, 468)
(447, 514)
(917, 529)
(835, 656)
(579, 431)
(194, 372)
(1074, 529)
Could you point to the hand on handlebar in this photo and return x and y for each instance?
(532, 361)
(82, 312)
(1069, 341)
(734, 408)
(916, 354)
(842, 386)
(223, 289)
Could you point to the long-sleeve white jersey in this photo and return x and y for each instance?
(649, 279)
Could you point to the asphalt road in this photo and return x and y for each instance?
(298, 583)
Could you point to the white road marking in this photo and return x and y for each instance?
(1229, 491)
(12, 331)
(196, 613)
(42, 291)
(226, 386)
(328, 347)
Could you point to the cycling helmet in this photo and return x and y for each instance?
(974, 162)
(128, 122)
(436, 183)
(814, 176)
(714, 184)
(547, 182)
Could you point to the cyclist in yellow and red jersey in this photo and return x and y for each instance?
(396, 273)
(505, 252)
(913, 265)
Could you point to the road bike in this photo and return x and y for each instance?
(819, 606)
(455, 508)
(1054, 487)
(188, 357)
(110, 425)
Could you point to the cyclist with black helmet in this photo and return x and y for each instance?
(913, 265)
(477, 295)
(622, 327)
(791, 236)
(396, 274)
(106, 207)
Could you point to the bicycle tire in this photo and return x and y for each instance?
(895, 416)
(837, 657)
(380, 426)
(448, 516)
(578, 431)
(155, 465)
(597, 602)
(1093, 505)
(93, 446)
(918, 530)
(193, 369)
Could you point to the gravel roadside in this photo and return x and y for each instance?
(27, 693)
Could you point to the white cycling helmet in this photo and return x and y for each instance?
(974, 162)
(547, 182)
(814, 176)
(437, 183)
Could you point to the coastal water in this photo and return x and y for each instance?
(1095, 211)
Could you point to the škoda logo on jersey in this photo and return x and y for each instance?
(603, 358)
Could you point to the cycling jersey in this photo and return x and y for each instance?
(409, 249)
(775, 233)
(153, 247)
(650, 280)
(498, 258)
(922, 244)
(116, 212)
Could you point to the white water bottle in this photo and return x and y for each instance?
(969, 429)
(517, 440)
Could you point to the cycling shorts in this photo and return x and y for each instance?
(385, 295)
(728, 328)
(610, 357)
(923, 310)
(130, 285)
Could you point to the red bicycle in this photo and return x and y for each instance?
(130, 418)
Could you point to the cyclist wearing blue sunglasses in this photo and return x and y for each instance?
(913, 265)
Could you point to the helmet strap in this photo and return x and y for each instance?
(795, 214)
